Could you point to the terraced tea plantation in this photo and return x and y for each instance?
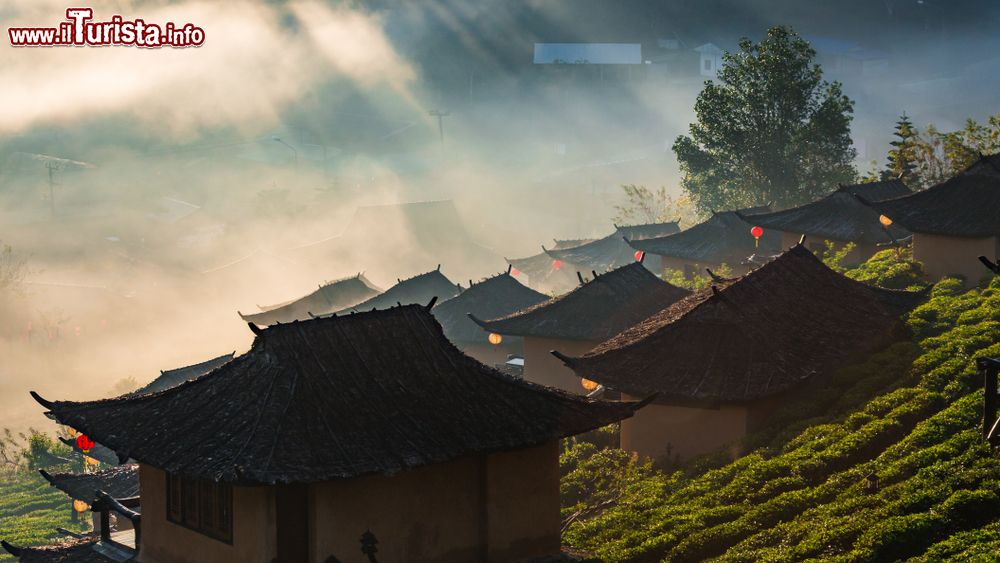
(31, 510)
(884, 461)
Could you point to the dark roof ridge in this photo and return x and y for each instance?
(279, 402)
(716, 292)
(481, 281)
(420, 275)
(553, 300)
(653, 224)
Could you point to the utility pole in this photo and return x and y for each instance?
(295, 152)
(52, 166)
(440, 115)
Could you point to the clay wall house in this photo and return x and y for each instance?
(722, 359)
(581, 319)
(174, 377)
(723, 238)
(329, 297)
(419, 289)
(120, 481)
(543, 273)
(839, 218)
(166, 380)
(327, 429)
(954, 222)
(497, 296)
(605, 254)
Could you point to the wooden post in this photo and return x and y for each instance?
(105, 524)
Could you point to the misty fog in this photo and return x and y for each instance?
(153, 193)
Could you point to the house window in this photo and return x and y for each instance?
(201, 505)
(708, 64)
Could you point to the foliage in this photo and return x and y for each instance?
(31, 510)
(892, 269)
(903, 154)
(13, 269)
(769, 130)
(910, 414)
(939, 155)
(41, 449)
(699, 280)
(123, 386)
(644, 206)
(834, 257)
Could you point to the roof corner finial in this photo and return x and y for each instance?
(41, 401)
(255, 329)
(715, 289)
(638, 405)
(802, 240)
(438, 268)
(713, 275)
(594, 273)
(11, 549)
(430, 304)
(509, 267)
(642, 256)
(569, 362)
(992, 266)
(579, 276)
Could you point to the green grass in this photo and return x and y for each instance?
(910, 414)
(31, 510)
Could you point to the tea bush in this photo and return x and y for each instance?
(909, 415)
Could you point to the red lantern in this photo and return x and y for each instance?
(757, 232)
(84, 443)
(639, 255)
(557, 264)
(515, 272)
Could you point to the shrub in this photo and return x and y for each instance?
(891, 269)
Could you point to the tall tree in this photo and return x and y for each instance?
(904, 152)
(770, 129)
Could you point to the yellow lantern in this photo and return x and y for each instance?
(587, 384)
(885, 221)
(80, 506)
(90, 462)
(495, 339)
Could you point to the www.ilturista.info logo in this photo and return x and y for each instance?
(78, 30)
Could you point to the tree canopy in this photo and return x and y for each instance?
(769, 129)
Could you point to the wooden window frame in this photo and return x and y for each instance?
(204, 506)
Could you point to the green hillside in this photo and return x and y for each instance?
(31, 510)
(909, 415)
